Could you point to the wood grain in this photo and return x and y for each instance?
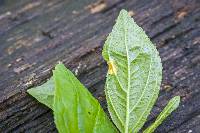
(35, 35)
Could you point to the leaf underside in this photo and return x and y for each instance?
(133, 88)
(75, 109)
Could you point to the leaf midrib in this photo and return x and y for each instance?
(77, 97)
(128, 87)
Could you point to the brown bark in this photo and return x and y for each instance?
(35, 35)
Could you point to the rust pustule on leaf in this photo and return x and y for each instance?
(112, 67)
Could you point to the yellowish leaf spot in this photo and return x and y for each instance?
(112, 67)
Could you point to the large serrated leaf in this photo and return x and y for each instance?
(170, 107)
(75, 109)
(134, 74)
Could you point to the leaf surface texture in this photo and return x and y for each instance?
(44, 93)
(75, 109)
(134, 74)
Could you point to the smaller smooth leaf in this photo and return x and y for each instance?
(44, 93)
(171, 106)
(75, 109)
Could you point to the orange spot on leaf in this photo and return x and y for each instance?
(112, 68)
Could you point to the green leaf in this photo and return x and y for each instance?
(171, 106)
(75, 109)
(44, 93)
(134, 74)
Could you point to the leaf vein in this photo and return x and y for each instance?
(143, 92)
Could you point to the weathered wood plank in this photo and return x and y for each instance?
(38, 34)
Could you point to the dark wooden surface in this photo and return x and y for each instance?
(35, 35)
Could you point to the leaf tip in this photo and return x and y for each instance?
(29, 91)
(123, 12)
(32, 92)
(59, 66)
(177, 99)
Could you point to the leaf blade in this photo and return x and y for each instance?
(44, 93)
(133, 56)
(71, 101)
(169, 108)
